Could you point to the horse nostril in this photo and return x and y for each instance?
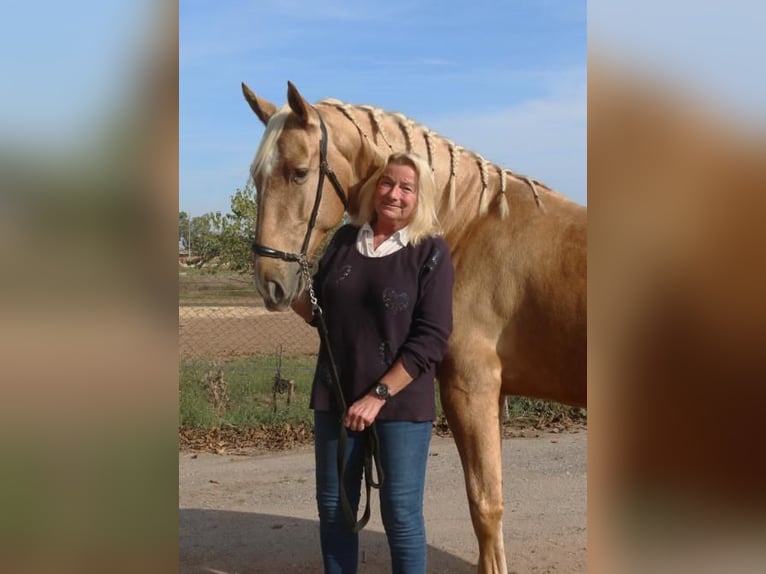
(276, 291)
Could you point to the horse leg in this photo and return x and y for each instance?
(470, 395)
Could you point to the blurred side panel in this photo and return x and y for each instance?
(88, 331)
(677, 277)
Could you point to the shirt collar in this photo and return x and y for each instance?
(401, 236)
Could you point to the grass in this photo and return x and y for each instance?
(245, 399)
(540, 413)
(208, 286)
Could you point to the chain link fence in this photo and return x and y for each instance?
(221, 332)
(228, 341)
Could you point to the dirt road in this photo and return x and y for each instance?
(257, 514)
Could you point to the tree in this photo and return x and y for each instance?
(205, 232)
(222, 240)
(238, 230)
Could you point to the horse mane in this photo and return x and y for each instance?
(410, 130)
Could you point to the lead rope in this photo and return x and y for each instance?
(371, 441)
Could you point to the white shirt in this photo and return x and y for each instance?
(366, 236)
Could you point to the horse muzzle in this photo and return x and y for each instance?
(278, 283)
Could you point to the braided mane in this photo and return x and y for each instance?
(411, 130)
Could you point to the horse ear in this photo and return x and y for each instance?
(299, 105)
(263, 109)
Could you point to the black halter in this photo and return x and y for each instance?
(324, 169)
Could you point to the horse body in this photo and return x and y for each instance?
(519, 253)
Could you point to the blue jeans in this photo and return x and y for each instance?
(403, 455)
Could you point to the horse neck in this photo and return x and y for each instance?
(468, 186)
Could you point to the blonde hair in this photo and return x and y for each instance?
(424, 221)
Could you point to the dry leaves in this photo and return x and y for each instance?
(234, 440)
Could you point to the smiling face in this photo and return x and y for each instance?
(395, 197)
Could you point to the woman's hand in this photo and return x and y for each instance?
(363, 412)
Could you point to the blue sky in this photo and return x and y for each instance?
(506, 79)
(67, 65)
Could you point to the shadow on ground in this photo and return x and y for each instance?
(216, 541)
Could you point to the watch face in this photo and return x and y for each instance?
(382, 391)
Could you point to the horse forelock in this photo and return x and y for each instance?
(266, 156)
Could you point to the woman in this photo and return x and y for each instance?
(385, 288)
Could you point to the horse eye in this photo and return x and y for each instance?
(300, 175)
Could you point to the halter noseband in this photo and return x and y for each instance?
(324, 169)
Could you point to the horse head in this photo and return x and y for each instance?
(289, 173)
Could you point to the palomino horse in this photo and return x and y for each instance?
(518, 248)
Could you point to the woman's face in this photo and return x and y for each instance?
(396, 195)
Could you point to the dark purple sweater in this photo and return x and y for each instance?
(378, 310)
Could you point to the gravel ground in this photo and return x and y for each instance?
(256, 512)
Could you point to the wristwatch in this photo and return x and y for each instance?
(381, 391)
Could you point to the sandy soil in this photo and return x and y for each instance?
(237, 331)
(256, 513)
